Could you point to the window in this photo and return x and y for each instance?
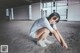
(56, 6)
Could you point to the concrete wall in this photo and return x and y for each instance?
(36, 11)
(74, 11)
(21, 12)
(2, 14)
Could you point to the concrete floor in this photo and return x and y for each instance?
(15, 35)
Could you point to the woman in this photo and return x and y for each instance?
(43, 27)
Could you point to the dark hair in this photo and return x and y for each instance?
(54, 14)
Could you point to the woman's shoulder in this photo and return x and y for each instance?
(41, 19)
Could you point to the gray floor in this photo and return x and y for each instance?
(15, 35)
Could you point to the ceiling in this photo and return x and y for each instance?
(13, 3)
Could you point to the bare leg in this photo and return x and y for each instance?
(42, 33)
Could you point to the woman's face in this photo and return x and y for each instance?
(53, 20)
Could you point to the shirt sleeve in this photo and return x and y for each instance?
(47, 24)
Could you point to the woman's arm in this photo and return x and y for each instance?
(63, 43)
(56, 36)
(59, 38)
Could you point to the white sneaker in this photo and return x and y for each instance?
(47, 41)
(41, 43)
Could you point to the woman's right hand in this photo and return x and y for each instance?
(64, 45)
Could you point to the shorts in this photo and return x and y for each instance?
(33, 34)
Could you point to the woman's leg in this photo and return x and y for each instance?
(42, 33)
(41, 36)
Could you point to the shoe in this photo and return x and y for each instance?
(47, 41)
(41, 43)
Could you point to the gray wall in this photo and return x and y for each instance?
(36, 11)
(2, 14)
(74, 11)
(21, 12)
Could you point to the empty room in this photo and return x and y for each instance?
(39, 26)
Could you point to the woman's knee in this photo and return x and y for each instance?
(43, 30)
(46, 30)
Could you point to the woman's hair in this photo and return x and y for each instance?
(54, 14)
(51, 15)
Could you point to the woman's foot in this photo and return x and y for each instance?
(47, 41)
(41, 43)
